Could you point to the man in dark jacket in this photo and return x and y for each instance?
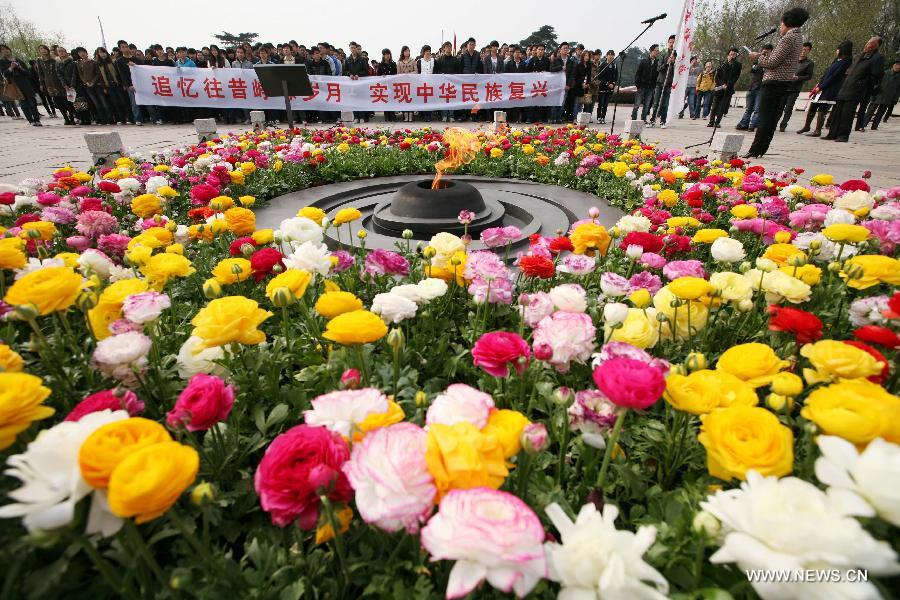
(890, 93)
(663, 90)
(446, 64)
(804, 73)
(726, 76)
(754, 91)
(563, 63)
(645, 82)
(123, 68)
(863, 78)
(16, 71)
(540, 63)
(357, 66)
(470, 59)
(607, 79)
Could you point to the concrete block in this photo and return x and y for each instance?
(633, 129)
(583, 118)
(346, 116)
(499, 117)
(258, 119)
(206, 129)
(725, 146)
(104, 145)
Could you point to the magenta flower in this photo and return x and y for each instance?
(203, 403)
(630, 383)
(466, 217)
(385, 262)
(494, 237)
(495, 351)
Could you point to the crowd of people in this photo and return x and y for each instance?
(86, 88)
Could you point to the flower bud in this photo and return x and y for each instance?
(695, 361)
(634, 251)
(744, 267)
(797, 260)
(787, 384)
(815, 245)
(407, 234)
(534, 438)
(543, 352)
(28, 312)
(247, 250)
(180, 579)
(563, 396)
(33, 234)
(86, 300)
(429, 252)
(350, 379)
(640, 298)
(212, 289)
(203, 493)
(614, 313)
(361, 234)
(593, 212)
(779, 403)
(706, 523)
(395, 338)
(745, 305)
(421, 398)
(283, 297)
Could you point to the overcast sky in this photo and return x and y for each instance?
(596, 23)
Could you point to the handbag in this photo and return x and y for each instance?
(81, 104)
(587, 98)
(11, 91)
(70, 94)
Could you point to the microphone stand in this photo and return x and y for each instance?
(621, 65)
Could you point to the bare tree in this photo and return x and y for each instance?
(23, 36)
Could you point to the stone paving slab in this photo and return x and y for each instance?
(35, 151)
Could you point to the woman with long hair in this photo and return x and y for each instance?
(52, 85)
(581, 83)
(111, 87)
(825, 92)
(405, 65)
(217, 58)
(387, 66)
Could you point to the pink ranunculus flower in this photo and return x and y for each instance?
(577, 264)
(485, 265)
(116, 399)
(498, 291)
(496, 351)
(340, 410)
(350, 379)
(79, 243)
(145, 306)
(385, 262)
(205, 401)
(387, 470)
(613, 350)
(534, 438)
(298, 466)
(122, 357)
(630, 383)
(592, 415)
(491, 535)
(570, 335)
(460, 403)
(534, 307)
(494, 237)
(684, 268)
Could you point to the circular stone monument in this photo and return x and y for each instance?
(390, 205)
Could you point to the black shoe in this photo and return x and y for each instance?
(751, 129)
(873, 128)
(750, 155)
(802, 131)
(37, 124)
(740, 127)
(781, 128)
(710, 125)
(841, 139)
(860, 129)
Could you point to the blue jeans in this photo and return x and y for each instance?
(644, 96)
(556, 113)
(690, 100)
(751, 112)
(135, 109)
(705, 102)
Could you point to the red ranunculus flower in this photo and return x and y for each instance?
(893, 309)
(878, 356)
(874, 334)
(298, 465)
(110, 187)
(647, 241)
(537, 266)
(204, 402)
(496, 351)
(676, 243)
(629, 382)
(27, 218)
(755, 169)
(7, 198)
(561, 244)
(853, 185)
(200, 214)
(263, 261)
(736, 163)
(235, 248)
(107, 400)
(805, 326)
(202, 193)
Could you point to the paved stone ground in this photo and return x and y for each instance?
(35, 152)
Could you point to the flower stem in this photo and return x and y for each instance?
(103, 566)
(610, 446)
(132, 532)
(338, 543)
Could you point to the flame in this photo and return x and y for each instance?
(462, 146)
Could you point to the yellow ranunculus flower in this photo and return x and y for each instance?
(162, 268)
(674, 222)
(678, 317)
(787, 384)
(263, 236)
(708, 236)
(779, 253)
(506, 425)
(247, 201)
(153, 237)
(12, 254)
(873, 269)
(248, 167)
(84, 177)
(175, 249)
(639, 329)
(496, 152)
(146, 205)
(295, 280)
(69, 259)
(332, 304)
(237, 177)
(10, 361)
(668, 197)
(744, 211)
(619, 169)
(44, 230)
(355, 327)
(221, 203)
(740, 438)
(325, 532)
(527, 149)
(459, 456)
(162, 168)
(232, 270)
(165, 191)
(832, 360)
(706, 390)
(373, 421)
(589, 238)
(845, 232)
(230, 319)
(641, 297)
(732, 287)
(109, 304)
(857, 410)
(313, 213)
(21, 397)
(104, 449)
(755, 363)
(346, 215)
(148, 482)
(49, 289)
(241, 221)
(808, 274)
(689, 288)
(822, 179)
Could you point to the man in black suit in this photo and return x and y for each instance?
(645, 82)
(726, 76)
(607, 79)
(540, 63)
(863, 79)
(516, 65)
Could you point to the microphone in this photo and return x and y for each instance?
(654, 19)
(766, 34)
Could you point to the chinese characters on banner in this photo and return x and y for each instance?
(684, 46)
(239, 88)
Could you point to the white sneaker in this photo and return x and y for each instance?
(662, 125)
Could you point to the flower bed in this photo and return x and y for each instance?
(191, 406)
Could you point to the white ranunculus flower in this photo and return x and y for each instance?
(24, 201)
(154, 183)
(394, 307)
(339, 411)
(614, 313)
(122, 356)
(630, 223)
(855, 200)
(460, 403)
(836, 216)
(95, 261)
(182, 234)
(51, 478)
(871, 474)
(410, 291)
(431, 288)
(189, 364)
(129, 184)
(117, 273)
(309, 256)
(886, 212)
(569, 297)
(727, 250)
(790, 524)
(299, 230)
(445, 246)
(36, 264)
(596, 560)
